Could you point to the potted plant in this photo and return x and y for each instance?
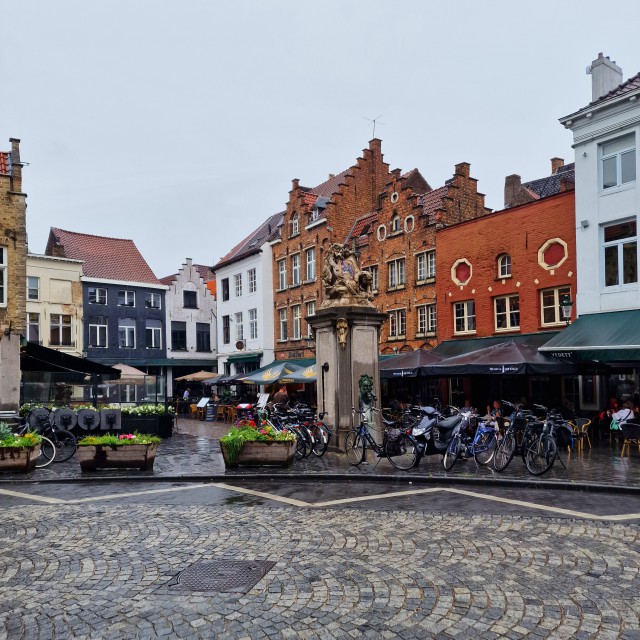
(250, 444)
(131, 450)
(149, 418)
(18, 453)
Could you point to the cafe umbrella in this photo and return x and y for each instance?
(307, 375)
(271, 373)
(408, 365)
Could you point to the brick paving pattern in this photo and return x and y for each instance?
(103, 572)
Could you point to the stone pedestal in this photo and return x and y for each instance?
(342, 357)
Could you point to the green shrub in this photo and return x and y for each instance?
(110, 439)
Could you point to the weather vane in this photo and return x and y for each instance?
(373, 122)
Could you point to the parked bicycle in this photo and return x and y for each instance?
(397, 446)
(48, 424)
(47, 448)
(481, 446)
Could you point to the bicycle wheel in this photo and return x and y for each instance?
(321, 437)
(541, 455)
(308, 440)
(452, 453)
(486, 446)
(301, 446)
(407, 455)
(504, 451)
(47, 453)
(65, 443)
(354, 447)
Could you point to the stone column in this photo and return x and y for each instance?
(10, 378)
(342, 357)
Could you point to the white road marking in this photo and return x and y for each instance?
(262, 494)
(129, 494)
(31, 496)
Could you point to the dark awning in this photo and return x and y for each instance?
(35, 357)
(407, 365)
(448, 348)
(245, 357)
(599, 337)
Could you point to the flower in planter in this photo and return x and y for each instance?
(12, 441)
(144, 410)
(109, 439)
(235, 439)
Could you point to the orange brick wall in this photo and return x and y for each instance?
(520, 232)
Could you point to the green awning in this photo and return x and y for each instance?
(450, 348)
(245, 357)
(302, 362)
(599, 337)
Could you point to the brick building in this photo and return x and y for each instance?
(13, 274)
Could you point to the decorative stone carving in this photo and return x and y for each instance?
(342, 328)
(367, 397)
(345, 284)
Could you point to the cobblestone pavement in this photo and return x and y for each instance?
(194, 451)
(104, 571)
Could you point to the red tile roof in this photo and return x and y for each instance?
(432, 201)
(327, 188)
(168, 279)
(5, 163)
(205, 271)
(108, 258)
(362, 226)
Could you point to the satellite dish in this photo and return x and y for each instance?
(38, 419)
(240, 345)
(65, 418)
(88, 419)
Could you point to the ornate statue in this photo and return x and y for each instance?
(342, 328)
(345, 284)
(367, 397)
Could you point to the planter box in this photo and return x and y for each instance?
(160, 425)
(262, 453)
(129, 456)
(19, 458)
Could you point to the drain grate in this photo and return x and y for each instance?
(223, 576)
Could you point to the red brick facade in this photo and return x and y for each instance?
(513, 266)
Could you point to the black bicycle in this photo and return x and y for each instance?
(397, 446)
(47, 424)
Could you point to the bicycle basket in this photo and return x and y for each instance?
(393, 440)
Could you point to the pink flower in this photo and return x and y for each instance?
(263, 432)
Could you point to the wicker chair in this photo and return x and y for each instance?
(631, 434)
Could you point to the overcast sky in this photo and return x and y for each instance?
(181, 124)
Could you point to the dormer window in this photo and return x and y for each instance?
(294, 225)
(504, 266)
(315, 215)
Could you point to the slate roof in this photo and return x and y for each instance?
(5, 163)
(327, 188)
(107, 258)
(549, 186)
(252, 243)
(628, 86)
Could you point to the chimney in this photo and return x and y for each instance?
(605, 76)
(332, 175)
(556, 163)
(512, 186)
(16, 166)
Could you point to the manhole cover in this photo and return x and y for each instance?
(225, 576)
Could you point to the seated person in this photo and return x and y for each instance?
(281, 396)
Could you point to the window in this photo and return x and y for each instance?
(464, 315)
(179, 336)
(295, 269)
(237, 283)
(314, 215)
(33, 327)
(397, 323)
(282, 275)
(3, 276)
(295, 313)
(253, 324)
(618, 161)
(239, 326)
(97, 295)
(126, 298)
(152, 300)
(33, 288)
(295, 225)
(426, 265)
(311, 264)
(395, 224)
(98, 331)
(226, 329)
(60, 330)
(311, 311)
(127, 333)
(427, 319)
(620, 254)
(504, 266)
(396, 274)
(203, 336)
(153, 334)
(190, 299)
(550, 300)
(251, 277)
(225, 289)
(373, 270)
(283, 324)
(507, 311)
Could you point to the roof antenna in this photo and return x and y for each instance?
(373, 121)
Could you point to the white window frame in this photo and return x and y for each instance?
(150, 298)
(314, 216)
(397, 273)
(252, 280)
(425, 265)
(102, 335)
(374, 271)
(620, 149)
(31, 289)
(396, 225)
(311, 311)
(282, 274)
(310, 256)
(253, 324)
(558, 294)
(127, 331)
(129, 298)
(60, 326)
(296, 313)
(237, 284)
(619, 244)
(283, 325)
(97, 295)
(511, 312)
(295, 269)
(504, 266)
(4, 269)
(461, 311)
(239, 325)
(295, 225)
(397, 323)
(156, 337)
(427, 319)
(33, 320)
(226, 329)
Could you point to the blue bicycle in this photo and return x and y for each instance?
(482, 446)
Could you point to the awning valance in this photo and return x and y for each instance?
(245, 357)
(449, 348)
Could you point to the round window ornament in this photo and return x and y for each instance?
(409, 224)
(382, 232)
(394, 197)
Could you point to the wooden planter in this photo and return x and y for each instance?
(157, 425)
(126, 456)
(22, 459)
(262, 453)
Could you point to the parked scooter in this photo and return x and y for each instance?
(434, 431)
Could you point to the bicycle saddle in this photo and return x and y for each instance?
(449, 423)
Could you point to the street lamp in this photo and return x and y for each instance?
(566, 305)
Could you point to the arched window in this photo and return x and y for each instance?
(294, 225)
(504, 266)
